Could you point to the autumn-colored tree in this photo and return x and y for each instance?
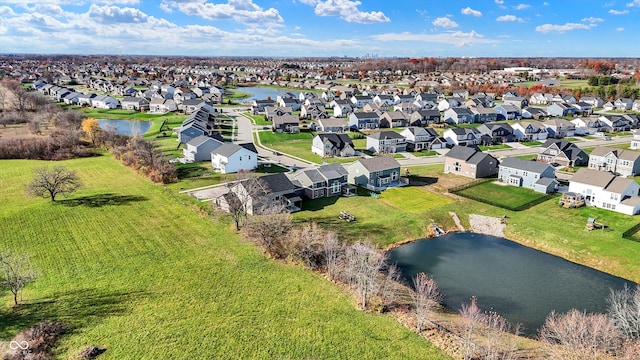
(90, 126)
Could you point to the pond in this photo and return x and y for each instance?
(522, 284)
(261, 93)
(126, 127)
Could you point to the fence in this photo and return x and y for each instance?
(629, 233)
(468, 185)
(502, 205)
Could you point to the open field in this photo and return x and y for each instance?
(131, 266)
(509, 197)
(297, 145)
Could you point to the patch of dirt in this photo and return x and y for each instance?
(487, 225)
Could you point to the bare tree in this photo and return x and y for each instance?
(270, 230)
(307, 244)
(578, 335)
(472, 315)
(624, 309)
(53, 182)
(367, 272)
(17, 272)
(333, 255)
(426, 297)
(241, 199)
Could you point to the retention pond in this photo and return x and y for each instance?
(522, 284)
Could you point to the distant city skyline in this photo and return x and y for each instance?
(318, 28)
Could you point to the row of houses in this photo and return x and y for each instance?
(329, 180)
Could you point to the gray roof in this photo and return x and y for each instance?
(227, 149)
(464, 131)
(198, 140)
(593, 177)
(366, 115)
(385, 135)
(461, 152)
(526, 165)
(379, 163)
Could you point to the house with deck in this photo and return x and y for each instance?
(364, 120)
(331, 145)
(267, 192)
(606, 191)
(562, 153)
(325, 181)
(376, 173)
(618, 161)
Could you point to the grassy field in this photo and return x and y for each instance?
(131, 266)
(507, 196)
(297, 145)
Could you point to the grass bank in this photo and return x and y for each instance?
(132, 267)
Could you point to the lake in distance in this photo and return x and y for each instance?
(126, 127)
(522, 284)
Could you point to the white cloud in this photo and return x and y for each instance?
(457, 38)
(634, 3)
(505, 18)
(522, 6)
(445, 22)
(547, 28)
(499, 2)
(618, 12)
(470, 11)
(620, 29)
(117, 15)
(6, 11)
(243, 11)
(348, 11)
(592, 19)
(309, 2)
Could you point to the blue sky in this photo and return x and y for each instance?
(480, 28)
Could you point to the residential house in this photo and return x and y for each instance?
(530, 112)
(529, 131)
(449, 103)
(326, 180)
(105, 102)
(330, 145)
(427, 97)
(517, 101)
(257, 106)
(623, 104)
(586, 125)
(583, 108)
(507, 112)
(272, 111)
(539, 177)
(364, 120)
(460, 93)
(595, 102)
(376, 173)
(292, 103)
(383, 99)
(606, 191)
(189, 106)
(268, 191)
(482, 114)
(341, 108)
(470, 162)
(386, 142)
(495, 133)
(230, 158)
(621, 162)
(458, 116)
(332, 125)
(85, 99)
(134, 103)
(402, 98)
(286, 124)
(394, 119)
(560, 109)
(406, 107)
(540, 99)
(614, 123)
(162, 106)
(462, 136)
(200, 148)
(425, 117)
(635, 142)
(196, 124)
(313, 112)
(563, 153)
(559, 128)
(359, 101)
(419, 138)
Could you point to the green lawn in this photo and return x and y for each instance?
(494, 147)
(531, 143)
(297, 145)
(504, 195)
(258, 119)
(133, 267)
(425, 153)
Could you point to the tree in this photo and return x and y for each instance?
(16, 273)
(90, 127)
(53, 182)
(426, 297)
(270, 230)
(624, 309)
(241, 198)
(578, 335)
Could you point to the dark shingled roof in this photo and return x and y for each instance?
(527, 165)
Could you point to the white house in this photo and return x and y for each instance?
(606, 191)
(230, 158)
(529, 131)
(105, 102)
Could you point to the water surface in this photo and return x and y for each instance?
(126, 127)
(522, 284)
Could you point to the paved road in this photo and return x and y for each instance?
(246, 128)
